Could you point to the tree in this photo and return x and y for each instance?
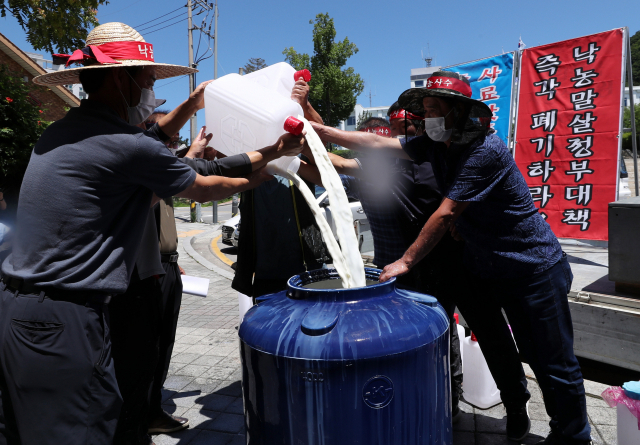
(635, 58)
(626, 123)
(333, 90)
(20, 128)
(363, 117)
(254, 65)
(54, 23)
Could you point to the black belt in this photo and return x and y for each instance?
(169, 257)
(19, 286)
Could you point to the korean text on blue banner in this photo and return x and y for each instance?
(492, 82)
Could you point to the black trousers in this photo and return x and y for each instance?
(57, 375)
(171, 289)
(134, 332)
(483, 314)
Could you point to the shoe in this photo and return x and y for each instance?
(518, 423)
(166, 423)
(555, 439)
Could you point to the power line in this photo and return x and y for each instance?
(175, 80)
(160, 29)
(142, 24)
(164, 21)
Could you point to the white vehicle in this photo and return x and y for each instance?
(360, 221)
(228, 228)
(361, 224)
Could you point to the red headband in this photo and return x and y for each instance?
(448, 83)
(382, 131)
(108, 52)
(401, 114)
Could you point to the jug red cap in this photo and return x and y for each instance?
(305, 74)
(293, 125)
(457, 319)
(473, 337)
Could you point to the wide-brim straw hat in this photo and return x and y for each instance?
(110, 45)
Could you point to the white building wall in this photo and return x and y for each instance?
(636, 96)
(359, 110)
(75, 89)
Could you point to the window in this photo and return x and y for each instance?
(419, 83)
(351, 120)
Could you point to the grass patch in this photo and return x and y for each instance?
(184, 202)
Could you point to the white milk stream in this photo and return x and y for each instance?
(347, 261)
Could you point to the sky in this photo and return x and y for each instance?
(390, 35)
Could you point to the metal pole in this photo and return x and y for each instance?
(634, 143)
(195, 207)
(215, 76)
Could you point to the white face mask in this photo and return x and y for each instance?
(434, 127)
(144, 109)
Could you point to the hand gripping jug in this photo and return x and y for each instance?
(480, 389)
(246, 113)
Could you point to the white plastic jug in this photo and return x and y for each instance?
(479, 387)
(277, 77)
(461, 334)
(628, 431)
(243, 115)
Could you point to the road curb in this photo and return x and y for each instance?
(200, 259)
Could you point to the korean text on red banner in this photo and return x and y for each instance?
(568, 128)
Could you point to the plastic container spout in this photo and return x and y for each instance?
(305, 74)
(284, 166)
(293, 125)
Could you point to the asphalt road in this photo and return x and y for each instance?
(224, 213)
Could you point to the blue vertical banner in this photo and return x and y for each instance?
(492, 82)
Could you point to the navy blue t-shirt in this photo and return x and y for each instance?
(505, 236)
(85, 199)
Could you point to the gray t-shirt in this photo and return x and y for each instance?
(85, 199)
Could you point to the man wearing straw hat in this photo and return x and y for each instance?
(83, 205)
(512, 257)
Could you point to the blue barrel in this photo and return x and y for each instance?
(363, 366)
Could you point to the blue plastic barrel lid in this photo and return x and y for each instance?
(418, 297)
(632, 390)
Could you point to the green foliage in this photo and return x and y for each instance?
(254, 64)
(20, 128)
(333, 89)
(635, 58)
(363, 117)
(347, 154)
(626, 117)
(54, 23)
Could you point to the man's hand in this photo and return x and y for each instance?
(199, 145)
(182, 272)
(300, 92)
(454, 233)
(394, 270)
(197, 97)
(290, 145)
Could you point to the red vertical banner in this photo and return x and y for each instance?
(568, 129)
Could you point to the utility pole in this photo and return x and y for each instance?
(196, 211)
(194, 206)
(215, 76)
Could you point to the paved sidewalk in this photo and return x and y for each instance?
(204, 377)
